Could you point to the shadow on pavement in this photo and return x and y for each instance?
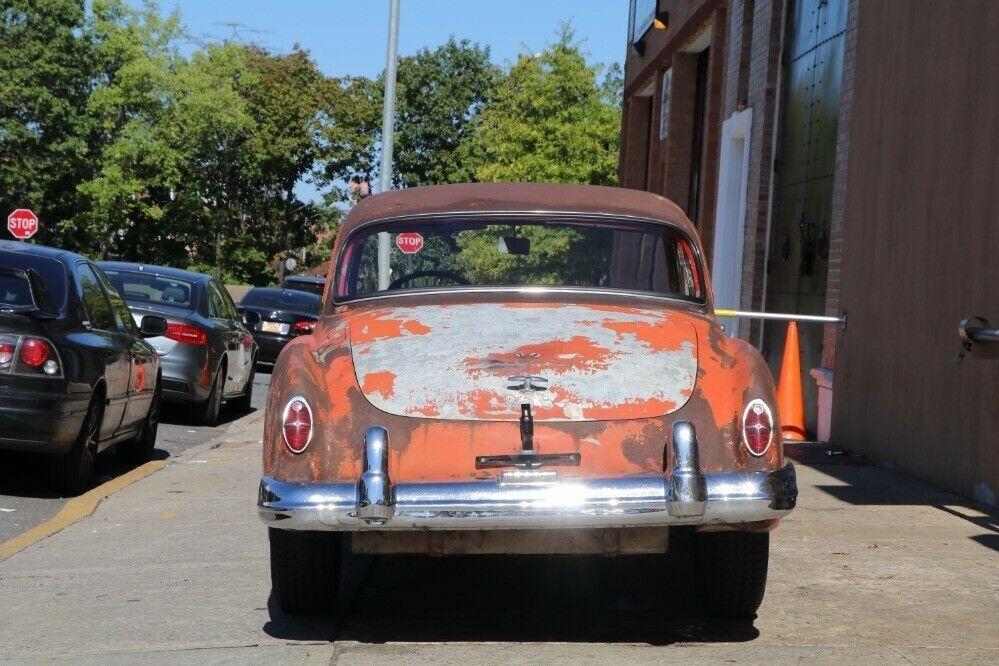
(867, 484)
(626, 599)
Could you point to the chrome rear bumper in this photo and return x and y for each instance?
(685, 497)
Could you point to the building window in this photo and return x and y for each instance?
(640, 17)
(664, 105)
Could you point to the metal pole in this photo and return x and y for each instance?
(780, 316)
(388, 128)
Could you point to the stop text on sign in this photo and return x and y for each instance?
(409, 242)
(22, 224)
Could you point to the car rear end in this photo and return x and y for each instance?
(185, 358)
(41, 411)
(284, 314)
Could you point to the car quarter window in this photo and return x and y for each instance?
(217, 306)
(230, 307)
(95, 302)
(123, 316)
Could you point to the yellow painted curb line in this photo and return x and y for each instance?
(77, 509)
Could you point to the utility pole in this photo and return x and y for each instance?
(388, 129)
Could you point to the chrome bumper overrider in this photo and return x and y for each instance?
(684, 497)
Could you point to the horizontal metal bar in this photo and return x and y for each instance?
(982, 334)
(780, 316)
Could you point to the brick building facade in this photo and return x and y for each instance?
(838, 156)
(752, 150)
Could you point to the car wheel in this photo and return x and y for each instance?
(74, 472)
(140, 449)
(732, 571)
(211, 408)
(243, 402)
(305, 570)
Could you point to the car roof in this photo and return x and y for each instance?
(489, 198)
(163, 271)
(278, 290)
(37, 250)
(314, 279)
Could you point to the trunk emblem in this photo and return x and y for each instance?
(527, 383)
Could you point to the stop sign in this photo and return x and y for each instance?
(409, 242)
(22, 223)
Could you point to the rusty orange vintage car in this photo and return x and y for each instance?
(513, 368)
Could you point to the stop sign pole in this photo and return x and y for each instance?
(22, 224)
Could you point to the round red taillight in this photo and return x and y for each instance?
(6, 353)
(296, 425)
(757, 427)
(34, 352)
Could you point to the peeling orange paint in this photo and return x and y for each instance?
(379, 382)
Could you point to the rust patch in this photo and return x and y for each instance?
(379, 382)
(575, 354)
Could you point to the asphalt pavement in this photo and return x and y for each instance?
(27, 499)
(872, 567)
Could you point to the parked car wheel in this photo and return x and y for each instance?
(305, 570)
(74, 472)
(732, 571)
(140, 449)
(212, 407)
(243, 402)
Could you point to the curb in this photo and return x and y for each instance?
(78, 508)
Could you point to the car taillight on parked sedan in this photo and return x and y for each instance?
(184, 333)
(29, 356)
(304, 326)
(757, 427)
(296, 424)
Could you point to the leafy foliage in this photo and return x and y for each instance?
(129, 148)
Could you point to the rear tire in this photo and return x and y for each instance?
(305, 570)
(211, 408)
(732, 572)
(244, 402)
(140, 449)
(74, 473)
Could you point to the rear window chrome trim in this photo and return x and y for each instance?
(558, 216)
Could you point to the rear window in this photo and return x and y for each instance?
(632, 256)
(312, 286)
(14, 290)
(139, 288)
(286, 299)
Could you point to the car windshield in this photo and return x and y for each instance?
(139, 288)
(312, 286)
(15, 290)
(633, 256)
(282, 299)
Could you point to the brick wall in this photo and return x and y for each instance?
(763, 95)
(712, 132)
(839, 187)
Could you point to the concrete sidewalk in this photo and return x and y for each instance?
(872, 567)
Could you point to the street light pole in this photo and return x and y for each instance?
(388, 128)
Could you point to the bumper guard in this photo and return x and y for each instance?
(685, 497)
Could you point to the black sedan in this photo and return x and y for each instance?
(283, 315)
(207, 354)
(76, 374)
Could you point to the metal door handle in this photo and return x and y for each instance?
(977, 329)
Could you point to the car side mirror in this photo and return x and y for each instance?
(153, 326)
(251, 318)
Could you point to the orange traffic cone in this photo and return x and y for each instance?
(789, 397)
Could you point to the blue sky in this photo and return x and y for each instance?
(349, 37)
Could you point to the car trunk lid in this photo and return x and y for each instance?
(482, 362)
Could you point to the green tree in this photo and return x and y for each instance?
(135, 165)
(551, 120)
(440, 92)
(44, 82)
